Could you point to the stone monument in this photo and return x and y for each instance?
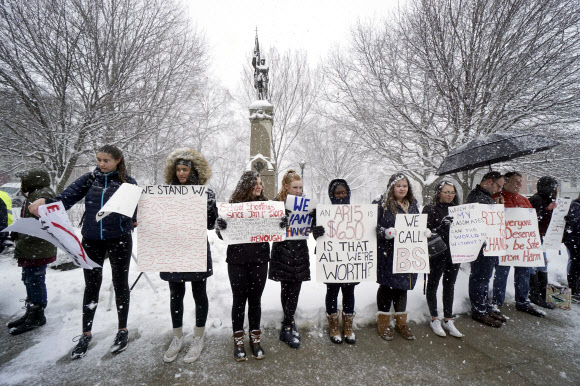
(261, 119)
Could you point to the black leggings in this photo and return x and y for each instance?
(387, 296)
(247, 282)
(574, 273)
(289, 292)
(332, 290)
(119, 253)
(438, 268)
(177, 292)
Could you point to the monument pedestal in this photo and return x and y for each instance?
(261, 119)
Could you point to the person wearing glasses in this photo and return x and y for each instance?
(512, 199)
(439, 221)
(482, 268)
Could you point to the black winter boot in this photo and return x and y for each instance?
(35, 318)
(257, 350)
(543, 283)
(534, 294)
(19, 321)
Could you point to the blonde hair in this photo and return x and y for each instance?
(289, 176)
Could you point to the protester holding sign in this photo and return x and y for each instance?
(186, 166)
(110, 237)
(512, 199)
(572, 242)
(398, 199)
(290, 265)
(482, 268)
(33, 255)
(438, 221)
(544, 201)
(248, 271)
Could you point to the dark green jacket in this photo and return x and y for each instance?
(35, 184)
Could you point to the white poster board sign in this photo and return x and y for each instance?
(54, 226)
(523, 239)
(410, 252)
(553, 238)
(467, 232)
(494, 217)
(172, 229)
(123, 201)
(347, 252)
(252, 222)
(299, 221)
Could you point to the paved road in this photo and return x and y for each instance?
(527, 350)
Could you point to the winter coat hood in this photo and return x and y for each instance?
(34, 179)
(547, 187)
(333, 184)
(200, 165)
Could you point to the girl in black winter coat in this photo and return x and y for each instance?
(438, 221)
(290, 265)
(110, 237)
(186, 166)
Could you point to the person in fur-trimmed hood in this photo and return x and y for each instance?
(186, 166)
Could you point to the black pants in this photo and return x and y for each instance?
(441, 267)
(289, 292)
(574, 273)
(332, 290)
(119, 253)
(177, 292)
(247, 282)
(387, 296)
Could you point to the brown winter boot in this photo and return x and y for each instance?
(257, 350)
(347, 328)
(239, 350)
(383, 320)
(401, 325)
(334, 328)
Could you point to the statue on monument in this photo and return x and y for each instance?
(261, 70)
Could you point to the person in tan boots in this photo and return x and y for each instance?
(393, 287)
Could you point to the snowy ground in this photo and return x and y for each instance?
(149, 318)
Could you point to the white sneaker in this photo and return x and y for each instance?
(449, 326)
(194, 350)
(436, 327)
(174, 349)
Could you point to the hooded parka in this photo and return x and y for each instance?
(545, 195)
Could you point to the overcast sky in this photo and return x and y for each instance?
(314, 25)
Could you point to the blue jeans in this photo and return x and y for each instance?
(33, 278)
(481, 271)
(521, 284)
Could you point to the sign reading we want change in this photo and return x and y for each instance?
(252, 222)
(348, 250)
(299, 220)
(522, 239)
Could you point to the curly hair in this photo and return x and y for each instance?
(389, 200)
(289, 176)
(244, 191)
(116, 153)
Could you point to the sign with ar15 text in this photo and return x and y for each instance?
(494, 217)
(172, 230)
(348, 250)
(524, 247)
(410, 253)
(252, 222)
(467, 232)
(299, 221)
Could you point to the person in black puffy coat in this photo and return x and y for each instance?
(572, 242)
(110, 237)
(290, 265)
(186, 166)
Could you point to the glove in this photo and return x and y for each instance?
(317, 231)
(447, 221)
(386, 233)
(220, 224)
(284, 222)
(427, 232)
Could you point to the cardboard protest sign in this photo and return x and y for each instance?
(252, 222)
(467, 232)
(410, 253)
(494, 216)
(348, 250)
(555, 232)
(54, 226)
(172, 229)
(522, 238)
(299, 220)
(123, 201)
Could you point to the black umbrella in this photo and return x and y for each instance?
(493, 148)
